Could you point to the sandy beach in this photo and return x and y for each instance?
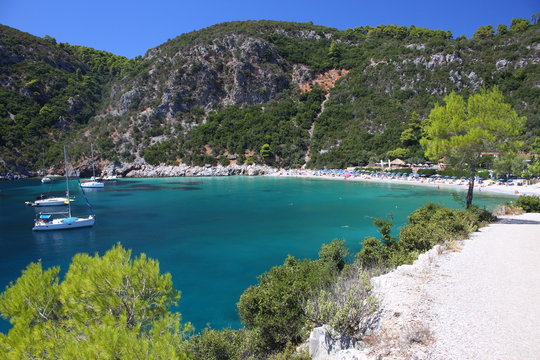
(477, 300)
(508, 189)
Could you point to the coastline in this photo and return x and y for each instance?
(157, 171)
(515, 190)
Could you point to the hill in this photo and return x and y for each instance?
(288, 94)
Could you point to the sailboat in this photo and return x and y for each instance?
(45, 178)
(93, 184)
(63, 220)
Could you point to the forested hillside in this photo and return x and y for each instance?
(254, 91)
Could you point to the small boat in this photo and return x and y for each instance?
(63, 220)
(93, 183)
(110, 178)
(43, 200)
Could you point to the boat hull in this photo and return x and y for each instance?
(92, 185)
(50, 202)
(62, 224)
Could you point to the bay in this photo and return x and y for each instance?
(214, 235)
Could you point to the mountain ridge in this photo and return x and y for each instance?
(235, 87)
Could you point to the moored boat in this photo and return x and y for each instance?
(63, 220)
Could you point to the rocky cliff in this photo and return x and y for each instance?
(275, 92)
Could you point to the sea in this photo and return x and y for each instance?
(215, 235)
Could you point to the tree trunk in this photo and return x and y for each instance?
(471, 186)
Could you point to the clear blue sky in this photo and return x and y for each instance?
(129, 28)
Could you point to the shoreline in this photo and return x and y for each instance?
(514, 190)
(150, 171)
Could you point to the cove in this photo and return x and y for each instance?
(215, 235)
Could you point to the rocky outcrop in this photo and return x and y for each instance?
(325, 344)
(144, 170)
(233, 69)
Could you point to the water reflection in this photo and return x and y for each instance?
(62, 242)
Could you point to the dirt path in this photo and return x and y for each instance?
(481, 302)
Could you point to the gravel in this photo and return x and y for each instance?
(480, 300)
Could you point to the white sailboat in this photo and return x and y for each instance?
(62, 220)
(93, 183)
(50, 201)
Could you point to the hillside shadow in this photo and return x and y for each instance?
(518, 222)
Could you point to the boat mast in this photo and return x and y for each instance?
(43, 158)
(67, 182)
(93, 168)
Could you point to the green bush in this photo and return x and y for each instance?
(346, 304)
(274, 307)
(225, 344)
(373, 252)
(434, 224)
(529, 203)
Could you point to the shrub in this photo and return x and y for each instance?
(373, 252)
(222, 344)
(529, 203)
(274, 307)
(334, 254)
(224, 161)
(434, 224)
(347, 305)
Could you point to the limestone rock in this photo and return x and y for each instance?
(324, 345)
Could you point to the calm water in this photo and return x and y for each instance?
(214, 235)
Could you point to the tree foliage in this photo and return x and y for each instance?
(274, 307)
(108, 307)
(460, 131)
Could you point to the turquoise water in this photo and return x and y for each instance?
(214, 235)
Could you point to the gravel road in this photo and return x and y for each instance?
(479, 302)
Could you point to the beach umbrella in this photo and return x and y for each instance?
(509, 180)
(453, 177)
(423, 175)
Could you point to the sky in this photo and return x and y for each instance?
(130, 28)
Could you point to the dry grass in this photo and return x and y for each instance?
(507, 209)
(409, 342)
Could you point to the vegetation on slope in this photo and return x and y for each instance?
(152, 108)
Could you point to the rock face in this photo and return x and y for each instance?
(233, 69)
(323, 345)
(144, 170)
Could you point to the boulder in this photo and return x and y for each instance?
(327, 344)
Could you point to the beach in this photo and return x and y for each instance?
(456, 184)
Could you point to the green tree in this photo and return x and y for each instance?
(399, 153)
(519, 25)
(334, 53)
(484, 32)
(265, 151)
(502, 29)
(109, 307)
(462, 130)
(534, 168)
(274, 308)
(509, 164)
